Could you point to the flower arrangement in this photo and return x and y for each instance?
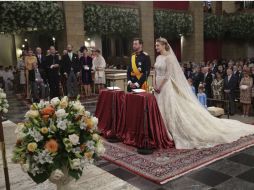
(57, 137)
(3, 102)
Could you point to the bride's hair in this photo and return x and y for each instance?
(163, 41)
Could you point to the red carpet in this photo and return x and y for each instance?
(165, 165)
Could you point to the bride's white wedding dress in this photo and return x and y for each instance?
(189, 123)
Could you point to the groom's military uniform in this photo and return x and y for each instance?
(138, 71)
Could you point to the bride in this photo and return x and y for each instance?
(189, 124)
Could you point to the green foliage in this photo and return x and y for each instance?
(23, 16)
(240, 26)
(233, 26)
(171, 24)
(108, 20)
(213, 26)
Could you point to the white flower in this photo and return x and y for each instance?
(74, 139)
(55, 101)
(43, 157)
(5, 110)
(41, 104)
(90, 145)
(100, 148)
(19, 128)
(64, 102)
(2, 95)
(32, 114)
(78, 106)
(46, 103)
(62, 124)
(87, 113)
(25, 167)
(61, 113)
(56, 175)
(35, 134)
(96, 137)
(95, 121)
(75, 164)
(19, 131)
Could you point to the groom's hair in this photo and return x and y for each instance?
(140, 41)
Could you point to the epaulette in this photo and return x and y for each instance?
(145, 53)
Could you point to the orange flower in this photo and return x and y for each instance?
(48, 111)
(89, 123)
(77, 118)
(89, 155)
(51, 146)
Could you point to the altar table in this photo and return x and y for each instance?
(137, 120)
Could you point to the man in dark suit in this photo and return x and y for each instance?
(71, 70)
(197, 77)
(208, 79)
(40, 59)
(230, 85)
(139, 68)
(214, 67)
(52, 72)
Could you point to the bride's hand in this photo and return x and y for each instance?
(157, 90)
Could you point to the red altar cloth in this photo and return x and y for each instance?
(131, 123)
(126, 120)
(108, 117)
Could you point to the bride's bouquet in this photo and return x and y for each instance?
(58, 138)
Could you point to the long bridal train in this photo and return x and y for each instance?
(191, 125)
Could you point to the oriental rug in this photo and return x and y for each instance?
(167, 164)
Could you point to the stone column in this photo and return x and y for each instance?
(192, 47)
(74, 23)
(147, 27)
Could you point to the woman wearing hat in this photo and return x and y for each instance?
(245, 92)
(99, 65)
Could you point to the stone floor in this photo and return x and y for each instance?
(232, 173)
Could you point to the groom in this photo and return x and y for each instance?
(139, 69)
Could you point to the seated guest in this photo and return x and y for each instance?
(246, 85)
(8, 78)
(217, 88)
(86, 70)
(202, 98)
(37, 82)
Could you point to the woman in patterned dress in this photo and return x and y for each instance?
(217, 88)
(245, 92)
(30, 60)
